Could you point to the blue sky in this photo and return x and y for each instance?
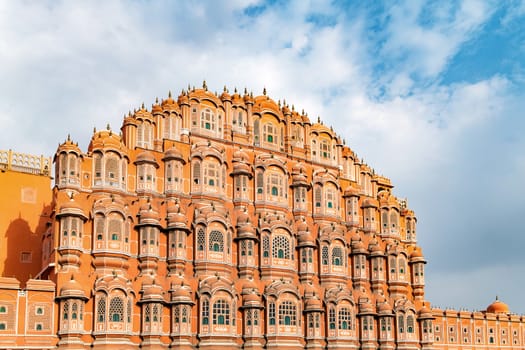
(430, 94)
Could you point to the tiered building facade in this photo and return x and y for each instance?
(230, 221)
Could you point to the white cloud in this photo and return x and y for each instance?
(67, 67)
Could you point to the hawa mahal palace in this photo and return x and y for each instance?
(214, 221)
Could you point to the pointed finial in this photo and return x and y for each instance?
(264, 91)
(245, 91)
(68, 137)
(94, 129)
(293, 108)
(235, 90)
(225, 90)
(142, 105)
(108, 127)
(169, 93)
(157, 100)
(319, 119)
(204, 86)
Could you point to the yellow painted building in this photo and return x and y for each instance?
(219, 222)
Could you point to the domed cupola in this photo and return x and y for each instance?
(177, 218)
(244, 225)
(106, 140)
(169, 104)
(299, 177)
(241, 163)
(498, 307)
(173, 154)
(148, 215)
(225, 96)
(72, 289)
(143, 114)
(146, 157)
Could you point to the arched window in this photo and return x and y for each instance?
(344, 318)
(331, 318)
(280, 247)
(201, 240)
(410, 324)
(401, 323)
(74, 311)
(101, 309)
(337, 256)
(97, 160)
(221, 312)
(212, 179)
(275, 182)
(271, 313)
(324, 150)
(270, 134)
(324, 255)
(266, 246)
(208, 120)
(116, 309)
(173, 176)
(216, 241)
(144, 134)
(65, 310)
(287, 313)
(205, 312)
(256, 133)
(196, 172)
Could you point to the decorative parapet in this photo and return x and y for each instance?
(25, 163)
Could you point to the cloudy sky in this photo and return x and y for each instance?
(430, 95)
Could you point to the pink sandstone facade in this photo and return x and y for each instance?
(226, 222)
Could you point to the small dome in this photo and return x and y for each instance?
(306, 239)
(72, 288)
(358, 247)
(416, 254)
(251, 298)
(169, 101)
(69, 146)
(351, 192)
(314, 304)
(366, 308)
(156, 108)
(302, 226)
(241, 168)
(152, 290)
(146, 157)
(498, 307)
(425, 313)
(106, 139)
(240, 156)
(173, 153)
(237, 99)
(248, 286)
(182, 293)
(298, 168)
(225, 96)
(385, 308)
(370, 203)
(243, 218)
(71, 207)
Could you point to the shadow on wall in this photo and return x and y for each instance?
(24, 246)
